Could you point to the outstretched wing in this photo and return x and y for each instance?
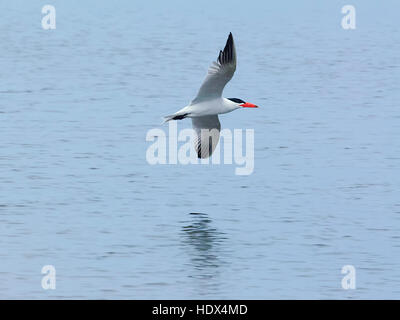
(207, 135)
(219, 73)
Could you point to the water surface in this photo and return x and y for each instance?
(76, 191)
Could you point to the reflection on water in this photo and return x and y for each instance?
(204, 244)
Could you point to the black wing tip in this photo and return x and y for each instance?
(226, 55)
(230, 38)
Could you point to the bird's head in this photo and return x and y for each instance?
(240, 103)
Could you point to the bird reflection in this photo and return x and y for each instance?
(203, 243)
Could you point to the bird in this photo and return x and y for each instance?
(209, 103)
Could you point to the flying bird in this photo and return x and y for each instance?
(209, 103)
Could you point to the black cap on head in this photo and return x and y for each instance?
(237, 100)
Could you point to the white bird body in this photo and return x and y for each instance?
(208, 108)
(209, 103)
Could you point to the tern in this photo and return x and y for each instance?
(209, 103)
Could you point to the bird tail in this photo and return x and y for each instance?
(175, 116)
(168, 118)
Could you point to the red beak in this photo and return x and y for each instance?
(248, 105)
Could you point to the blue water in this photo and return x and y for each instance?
(76, 191)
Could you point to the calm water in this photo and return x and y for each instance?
(76, 191)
